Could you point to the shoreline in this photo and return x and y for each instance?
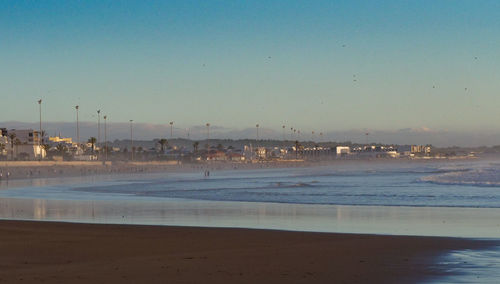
(17, 170)
(35, 252)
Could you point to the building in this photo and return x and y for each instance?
(411, 150)
(4, 141)
(26, 136)
(420, 149)
(57, 140)
(261, 153)
(24, 144)
(236, 157)
(216, 155)
(343, 151)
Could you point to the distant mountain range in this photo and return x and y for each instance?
(148, 132)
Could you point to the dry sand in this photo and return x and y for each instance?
(47, 169)
(36, 252)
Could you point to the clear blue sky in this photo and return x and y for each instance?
(324, 65)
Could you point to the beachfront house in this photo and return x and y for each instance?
(236, 157)
(412, 150)
(4, 141)
(216, 155)
(25, 144)
(343, 151)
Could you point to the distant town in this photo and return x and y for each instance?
(29, 144)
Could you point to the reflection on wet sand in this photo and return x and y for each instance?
(425, 221)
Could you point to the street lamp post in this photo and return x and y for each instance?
(40, 111)
(105, 139)
(208, 131)
(131, 141)
(283, 132)
(77, 127)
(40, 130)
(171, 129)
(98, 126)
(98, 129)
(257, 126)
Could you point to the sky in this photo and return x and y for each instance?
(329, 66)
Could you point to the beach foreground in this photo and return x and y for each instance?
(35, 252)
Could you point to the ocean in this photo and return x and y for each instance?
(469, 184)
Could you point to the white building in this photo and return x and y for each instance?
(411, 150)
(25, 136)
(343, 151)
(4, 141)
(24, 144)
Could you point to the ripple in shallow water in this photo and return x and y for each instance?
(470, 266)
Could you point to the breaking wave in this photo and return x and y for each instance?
(489, 177)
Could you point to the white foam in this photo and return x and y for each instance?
(476, 177)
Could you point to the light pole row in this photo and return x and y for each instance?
(40, 139)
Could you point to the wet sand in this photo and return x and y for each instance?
(36, 252)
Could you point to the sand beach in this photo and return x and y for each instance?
(47, 252)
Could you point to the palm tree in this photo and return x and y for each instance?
(61, 148)
(12, 136)
(46, 147)
(220, 147)
(17, 142)
(196, 144)
(296, 149)
(92, 141)
(163, 142)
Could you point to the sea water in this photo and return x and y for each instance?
(459, 184)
